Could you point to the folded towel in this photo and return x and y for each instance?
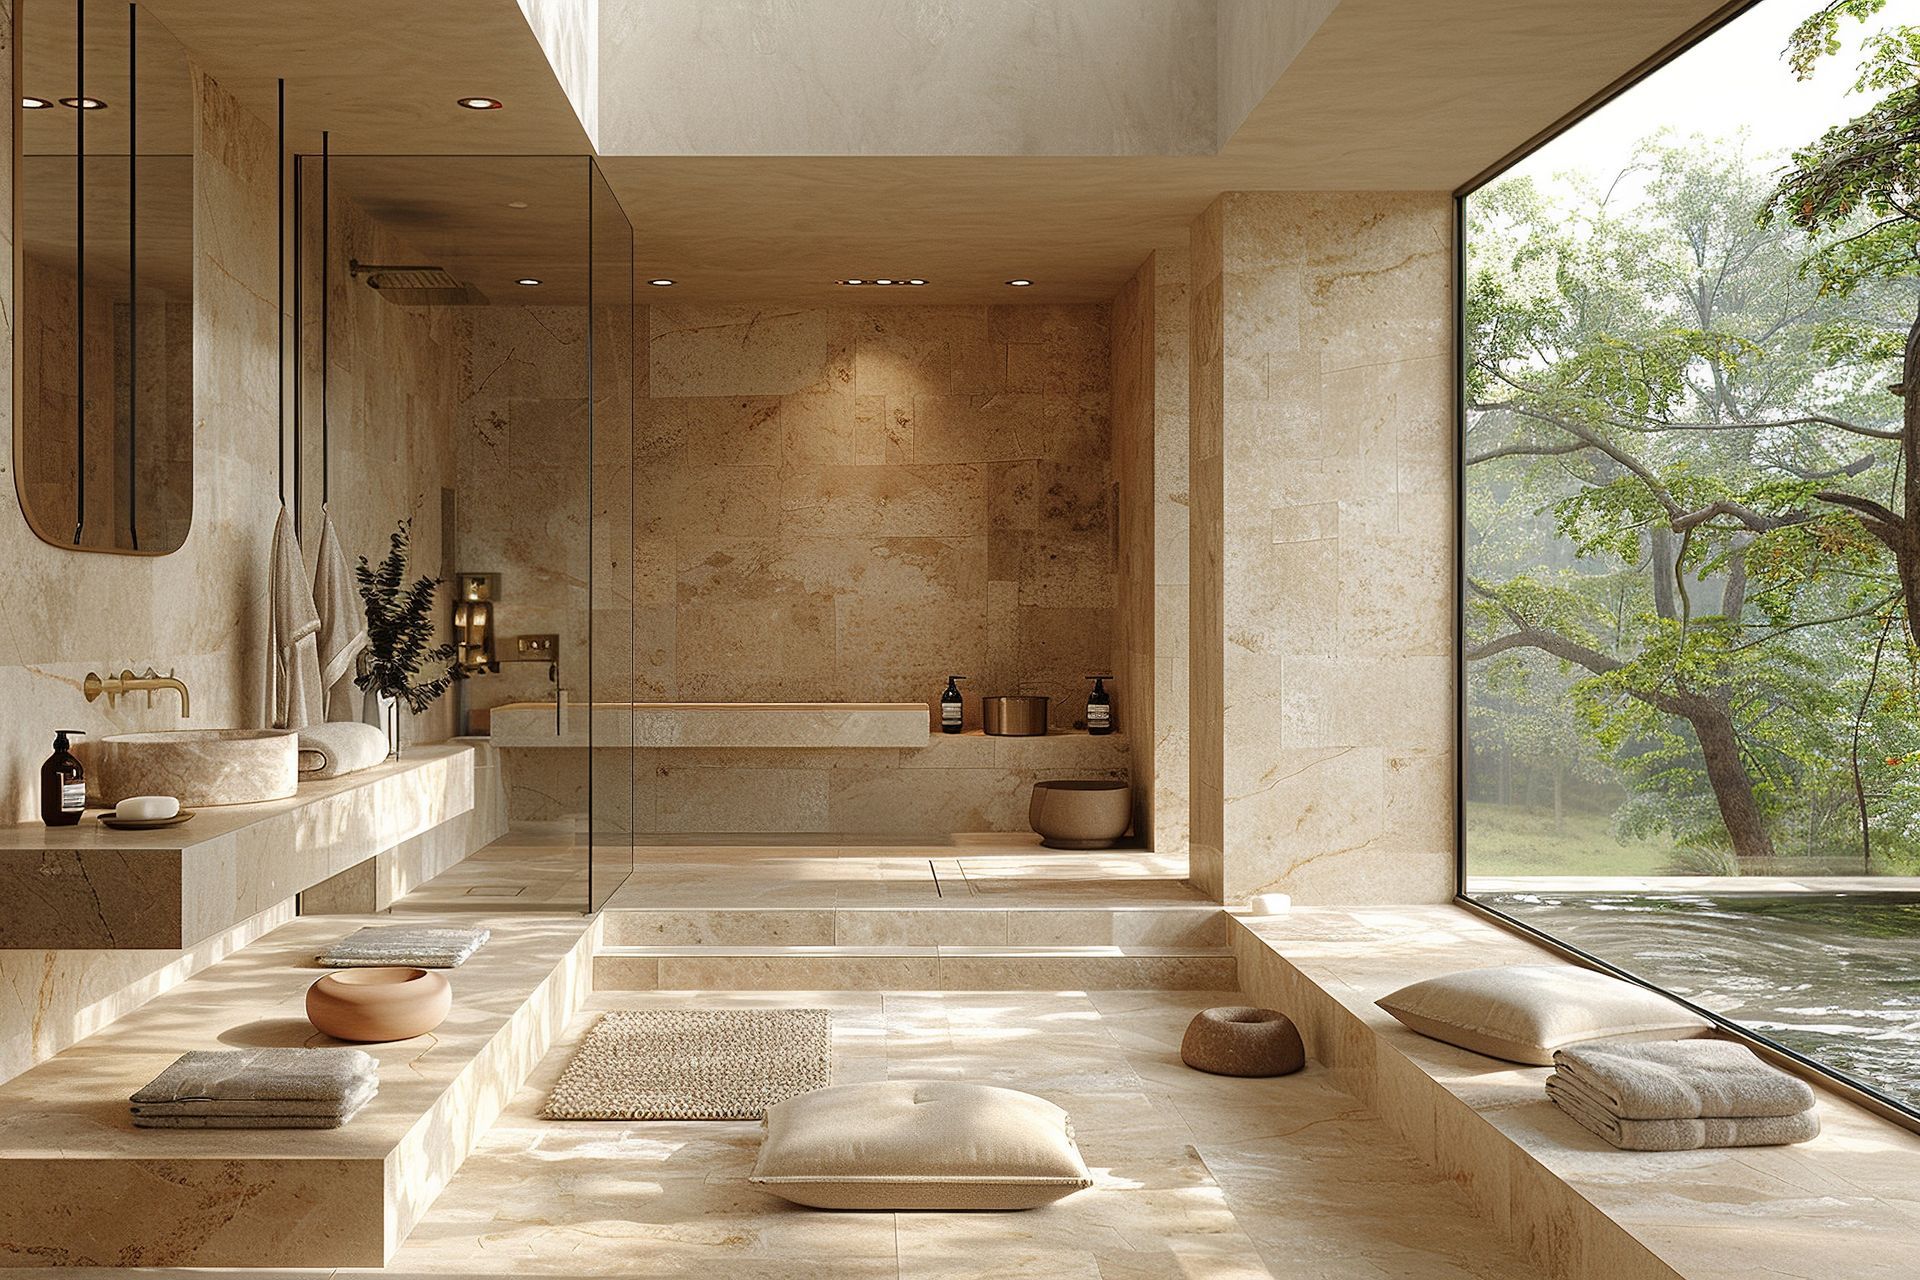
(295, 698)
(145, 1121)
(260, 1075)
(343, 626)
(1681, 1135)
(1681, 1080)
(358, 1097)
(421, 946)
(341, 747)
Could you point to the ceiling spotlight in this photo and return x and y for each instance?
(1020, 284)
(660, 283)
(529, 281)
(84, 104)
(516, 204)
(916, 282)
(481, 104)
(853, 282)
(883, 282)
(34, 104)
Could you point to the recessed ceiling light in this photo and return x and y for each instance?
(516, 204)
(883, 282)
(916, 282)
(661, 283)
(481, 104)
(529, 281)
(1020, 284)
(853, 282)
(84, 104)
(34, 104)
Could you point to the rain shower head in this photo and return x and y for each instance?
(419, 286)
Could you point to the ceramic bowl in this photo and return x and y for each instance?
(370, 1005)
(1080, 814)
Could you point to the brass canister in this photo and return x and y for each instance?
(1014, 716)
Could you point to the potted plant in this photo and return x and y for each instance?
(400, 633)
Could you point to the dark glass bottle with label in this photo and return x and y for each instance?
(952, 709)
(1099, 707)
(63, 783)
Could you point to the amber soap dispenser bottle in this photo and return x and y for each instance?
(63, 783)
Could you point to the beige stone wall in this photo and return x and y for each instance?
(1322, 440)
(1150, 470)
(522, 461)
(1170, 568)
(848, 504)
(201, 610)
(389, 406)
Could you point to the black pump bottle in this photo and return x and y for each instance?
(1099, 707)
(952, 709)
(63, 783)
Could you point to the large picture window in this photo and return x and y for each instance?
(1691, 510)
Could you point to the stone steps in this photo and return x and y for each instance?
(1155, 925)
(957, 967)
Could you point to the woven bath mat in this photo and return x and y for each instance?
(694, 1064)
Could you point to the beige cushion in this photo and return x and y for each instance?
(919, 1144)
(1523, 1012)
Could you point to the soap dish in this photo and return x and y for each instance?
(144, 824)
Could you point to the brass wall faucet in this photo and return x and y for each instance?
(127, 682)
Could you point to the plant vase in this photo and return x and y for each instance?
(382, 711)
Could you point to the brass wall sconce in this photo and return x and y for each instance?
(474, 598)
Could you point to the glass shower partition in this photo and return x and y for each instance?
(611, 621)
(465, 325)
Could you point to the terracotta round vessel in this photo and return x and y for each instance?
(370, 1005)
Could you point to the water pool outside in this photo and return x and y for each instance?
(1835, 976)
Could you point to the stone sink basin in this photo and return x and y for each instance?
(198, 766)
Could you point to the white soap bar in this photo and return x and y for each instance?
(147, 808)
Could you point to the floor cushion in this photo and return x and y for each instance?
(1523, 1012)
(919, 1144)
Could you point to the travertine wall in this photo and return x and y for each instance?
(1322, 437)
(1150, 469)
(201, 610)
(848, 504)
(390, 396)
(522, 458)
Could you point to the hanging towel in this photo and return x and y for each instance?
(343, 625)
(295, 698)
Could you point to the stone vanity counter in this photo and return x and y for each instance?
(89, 887)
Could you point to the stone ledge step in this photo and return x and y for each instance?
(912, 968)
(1198, 925)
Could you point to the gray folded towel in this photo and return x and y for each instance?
(327, 1076)
(1681, 1080)
(420, 946)
(340, 747)
(242, 1122)
(356, 1098)
(1680, 1135)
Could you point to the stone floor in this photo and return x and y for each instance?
(1196, 1176)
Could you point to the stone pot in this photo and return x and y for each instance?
(376, 1004)
(1080, 813)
